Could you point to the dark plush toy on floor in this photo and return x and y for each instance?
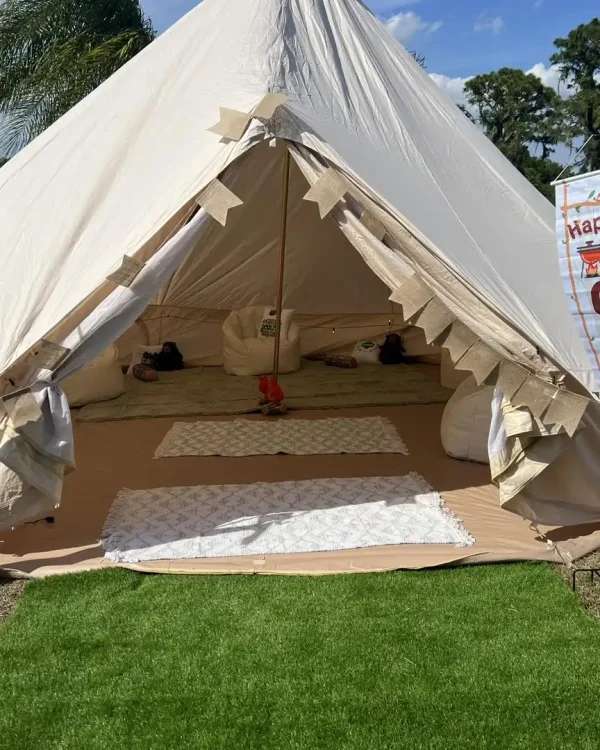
(392, 352)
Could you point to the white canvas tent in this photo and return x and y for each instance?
(120, 174)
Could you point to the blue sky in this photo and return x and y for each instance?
(460, 38)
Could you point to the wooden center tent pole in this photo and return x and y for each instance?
(282, 246)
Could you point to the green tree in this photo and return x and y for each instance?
(419, 58)
(516, 109)
(466, 112)
(578, 58)
(541, 173)
(55, 52)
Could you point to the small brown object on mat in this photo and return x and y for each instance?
(341, 360)
(144, 373)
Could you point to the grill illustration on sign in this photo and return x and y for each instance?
(590, 259)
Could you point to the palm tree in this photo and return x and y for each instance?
(55, 52)
(419, 58)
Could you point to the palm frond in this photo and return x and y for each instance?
(55, 52)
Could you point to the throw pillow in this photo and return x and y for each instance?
(367, 353)
(268, 324)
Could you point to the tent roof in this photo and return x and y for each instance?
(109, 175)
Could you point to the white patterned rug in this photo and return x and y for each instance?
(318, 515)
(295, 437)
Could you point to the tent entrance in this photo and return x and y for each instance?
(336, 297)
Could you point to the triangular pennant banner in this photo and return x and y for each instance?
(480, 360)
(22, 408)
(566, 409)
(265, 109)
(125, 275)
(459, 341)
(374, 226)
(216, 200)
(232, 124)
(413, 295)
(510, 378)
(47, 355)
(327, 191)
(535, 394)
(434, 320)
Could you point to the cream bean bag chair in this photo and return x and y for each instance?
(248, 351)
(101, 380)
(466, 422)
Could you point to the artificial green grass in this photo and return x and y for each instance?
(489, 657)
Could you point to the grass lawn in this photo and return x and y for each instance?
(490, 657)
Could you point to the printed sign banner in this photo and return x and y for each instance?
(578, 238)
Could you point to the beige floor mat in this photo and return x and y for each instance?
(292, 437)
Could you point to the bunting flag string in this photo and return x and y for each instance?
(480, 360)
(535, 394)
(127, 272)
(374, 226)
(268, 105)
(217, 200)
(413, 295)
(328, 190)
(232, 123)
(566, 409)
(22, 408)
(47, 355)
(459, 340)
(510, 378)
(546, 402)
(434, 320)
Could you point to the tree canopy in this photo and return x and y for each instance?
(578, 58)
(55, 52)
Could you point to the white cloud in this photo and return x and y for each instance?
(550, 76)
(454, 87)
(486, 23)
(403, 26)
(538, 4)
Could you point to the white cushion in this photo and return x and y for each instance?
(138, 353)
(366, 352)
(466, 422)
(102, 380)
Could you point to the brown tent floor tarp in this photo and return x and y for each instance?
(113, 455)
